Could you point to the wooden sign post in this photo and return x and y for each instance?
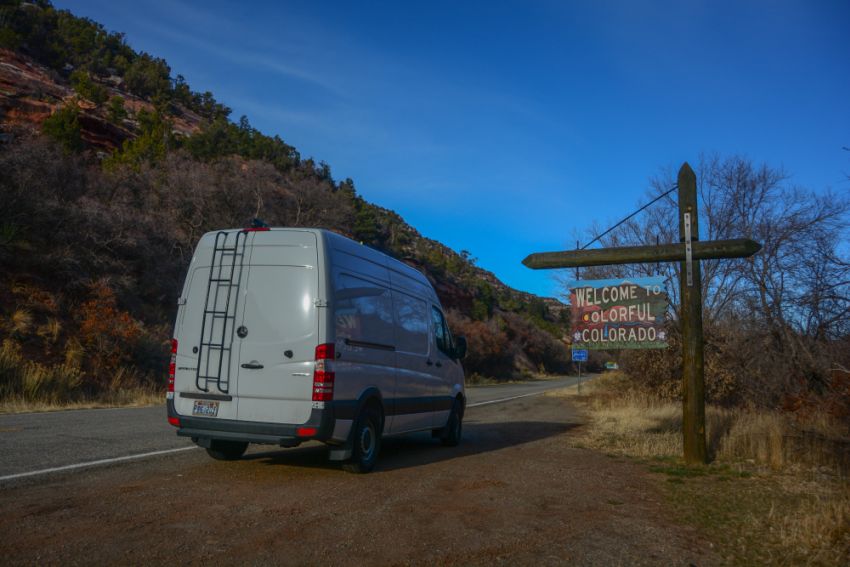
(689, 252)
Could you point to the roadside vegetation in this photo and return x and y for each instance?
(776, 490)
(777, 368)
(93, 261)
(776, 325)
(103, 201)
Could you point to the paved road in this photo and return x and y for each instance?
(480, 395)
(517, 491)
(41, 441)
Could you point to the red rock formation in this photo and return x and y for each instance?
(30, 92)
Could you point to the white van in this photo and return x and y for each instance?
(288, 335)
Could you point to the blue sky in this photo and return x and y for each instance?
(505, 128)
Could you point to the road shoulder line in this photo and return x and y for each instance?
(94, 463)
(179, 449)
(503, 399)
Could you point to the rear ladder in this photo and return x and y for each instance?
(219, 319)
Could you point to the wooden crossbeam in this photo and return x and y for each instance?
(713, 249)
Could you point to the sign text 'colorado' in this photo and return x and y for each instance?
(617, 314)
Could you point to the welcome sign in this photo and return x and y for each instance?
(619, 314)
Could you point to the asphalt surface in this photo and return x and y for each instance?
(518, 490)
(35, 442)
(479, 395)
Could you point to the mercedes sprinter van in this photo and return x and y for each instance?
(287, 335)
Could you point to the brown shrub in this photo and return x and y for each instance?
(108, 333)
(833, 399)
(488, 352)
(543, 352)
(66, 223)
(660, 370)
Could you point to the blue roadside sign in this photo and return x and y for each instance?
(580, 355)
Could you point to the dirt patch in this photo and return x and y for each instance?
(516, 491)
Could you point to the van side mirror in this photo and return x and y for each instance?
(460, 347)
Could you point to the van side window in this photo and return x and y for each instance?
(363, 312)
(441, 332)
(412, 329)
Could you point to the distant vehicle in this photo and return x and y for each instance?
(288, 335)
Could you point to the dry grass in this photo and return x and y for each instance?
(74, 352)
(779, 485)
(20, 322)
(820, 526)
(50, 330)
(139, 397)
(27, 386)
(638, 425)
(30, 380)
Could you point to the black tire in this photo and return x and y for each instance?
(366, 443)
(226, 450)
(451, 434)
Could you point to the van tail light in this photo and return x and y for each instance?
(172, 366)
(323, 374)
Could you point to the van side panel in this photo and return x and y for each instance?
(362, 327)
(415, 385)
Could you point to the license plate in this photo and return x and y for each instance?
(206, 409)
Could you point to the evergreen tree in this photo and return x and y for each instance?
(115, 109)
(151, 144)
(64, 127)
(87, 88)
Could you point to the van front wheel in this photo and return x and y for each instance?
(366, 443)
(226, 450)
(450, 435)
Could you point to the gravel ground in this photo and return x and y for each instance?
(515, 492)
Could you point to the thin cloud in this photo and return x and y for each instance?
(255, 109)
(250, 58)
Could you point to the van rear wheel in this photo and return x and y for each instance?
(366, 443)
(226, 450)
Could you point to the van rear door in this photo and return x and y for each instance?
(204, 373)
(278, 332)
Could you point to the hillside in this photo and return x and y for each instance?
(112, 169)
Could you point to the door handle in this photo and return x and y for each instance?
(253, 365)
(429, 363)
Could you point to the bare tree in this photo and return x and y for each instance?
(780, 310)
